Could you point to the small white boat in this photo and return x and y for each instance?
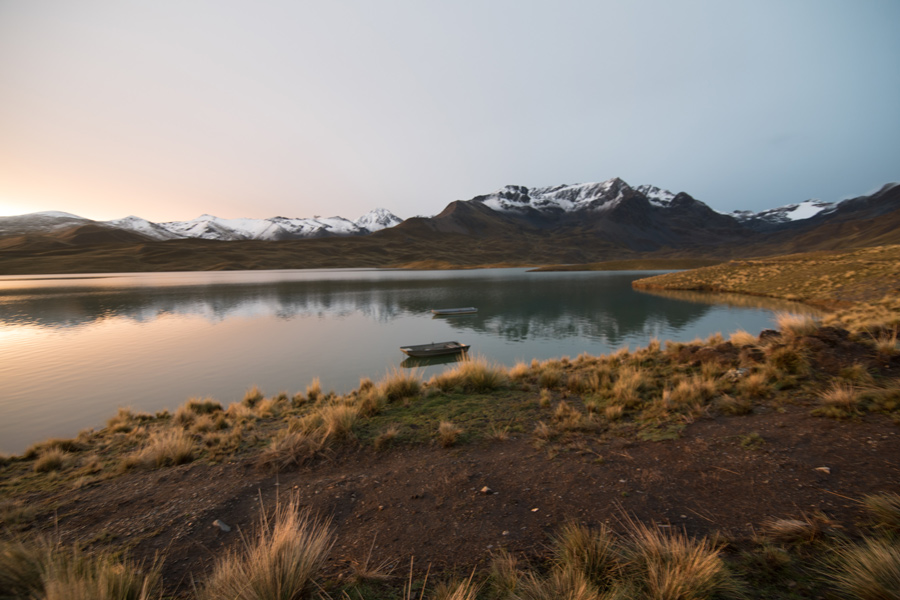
(434, 349)
(454, 311)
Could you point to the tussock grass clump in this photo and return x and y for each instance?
(456, 590)
(289, 449)
(614, 412)
(568, 584)
(755, 385)
(692, 392)
(61, 444)
(188, 412)
(204, 406)
(839, 401)
(314, 390)
(398, 385)
(519, 371)
(164, 448)
(15, 512)
(280, 562)
(795, 325)
(629, 382)
(448, 433)
(21, 569)
(671, 565)
(793, 531)
(386, 437)
(471, 375)
(550, 378)
(743, 338)
(79, 577)
(370, 402)
(886, 343)
(478, 375)
(50, 572)
(252, 397)
(123, 421)
(788, 359)
(338, 421)
(885, 510)
(593, 553)
(52, 459)
(868, 571)
(729, 405)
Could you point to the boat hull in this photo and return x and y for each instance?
(445, 312)
(438, 349)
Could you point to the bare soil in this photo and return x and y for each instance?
(725, 474)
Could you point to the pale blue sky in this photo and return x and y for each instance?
(169, 109)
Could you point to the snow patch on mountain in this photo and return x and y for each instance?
(142, 226)
(656, 196)
(210, 227)
(786, 214)
(571, 198)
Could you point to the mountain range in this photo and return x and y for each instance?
(517, 225)
(207, 227)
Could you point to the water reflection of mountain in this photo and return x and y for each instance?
(511, 305)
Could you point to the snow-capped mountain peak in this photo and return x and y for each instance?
(571, 197)
(377, 219)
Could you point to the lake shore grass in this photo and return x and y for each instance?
(841, 371)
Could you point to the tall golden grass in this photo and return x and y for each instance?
(281, 561)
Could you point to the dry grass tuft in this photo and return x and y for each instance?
(886, 343)
(629, 383)
(755, 385)
(868, 571)
(338, 421)
(794, 325)
(52, 459)
(281, 562)
(478, 375)
(593, 553)
(252, 397)
(399, 385)
(614, 412)
(448, 433)
(386, 437)
(314, 390)
(841, 396)
(519, 371)
(289, 449)
(729, 405)
(885, 510)
(743, 338)
(51, 572)
(163, 449)
(504, 574)
(674, 566)
(793, 531)
(550, 378)
(21, 567)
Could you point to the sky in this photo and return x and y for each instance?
(168, 109)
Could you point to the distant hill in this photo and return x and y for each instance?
(580, 223)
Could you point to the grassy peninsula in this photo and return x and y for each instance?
(749, 464)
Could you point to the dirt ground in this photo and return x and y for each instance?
(726, 474)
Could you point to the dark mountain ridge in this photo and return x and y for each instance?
(515, 225)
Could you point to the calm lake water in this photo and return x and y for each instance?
(74, 349)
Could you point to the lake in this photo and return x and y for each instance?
(75, 348)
